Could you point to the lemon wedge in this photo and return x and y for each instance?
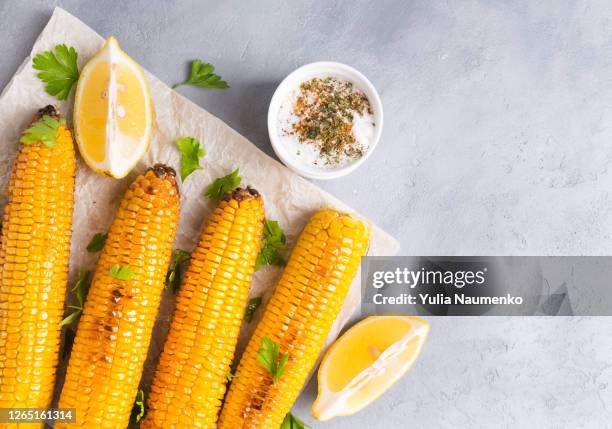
(364, 362)
(112, 112)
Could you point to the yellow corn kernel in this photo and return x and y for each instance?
(34, 254)
(191, 376)
(115, 328)
(298, 317)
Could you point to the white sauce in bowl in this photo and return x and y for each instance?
(321, 151)
(304, 157)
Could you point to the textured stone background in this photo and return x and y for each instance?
(497, 140)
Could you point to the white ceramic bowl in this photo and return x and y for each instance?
(293, 81)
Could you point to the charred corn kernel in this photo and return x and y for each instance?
(298, 318)
(191, 376)
(34, 253)
(114, 332)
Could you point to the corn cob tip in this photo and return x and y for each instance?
(162, 171)
(242, 194)
(48, 110)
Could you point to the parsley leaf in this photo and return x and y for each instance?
(79, 289)
(121, 272)
(173, 277)
(138, 410)
(252, 307)
(203, 75)
(97, 242)
(43, 131)
(270, 358)
(229, 376)
(223, 185)
(59, 70)
(72, 317)
(292, 422)
(273, 241)
(191, 151)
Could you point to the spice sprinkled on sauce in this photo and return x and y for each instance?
(333, 117)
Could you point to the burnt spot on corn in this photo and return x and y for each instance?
(257, 400)
(242, 194)
(46, 111)
(116, 295)
(257, 403)
(111, 328)
(162, 171)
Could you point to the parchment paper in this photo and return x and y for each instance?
(288, 198)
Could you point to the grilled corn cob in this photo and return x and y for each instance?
(34, 253)
(190, 379)
(298, 318)
(114, 332)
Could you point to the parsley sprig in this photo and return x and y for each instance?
(292, 422)
(121, 272)
(223, 185)
(138, 411)
(97, 242)
(43, 131)
(173, 277)
(203, 75)
(58, 69)
(273, 241)
(191, 152)
(80, 289)
(270, 358)
(252, 307)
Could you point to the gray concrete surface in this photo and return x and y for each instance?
(497, 140)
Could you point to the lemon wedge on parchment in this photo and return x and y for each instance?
(112, 112)
(364, 362)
